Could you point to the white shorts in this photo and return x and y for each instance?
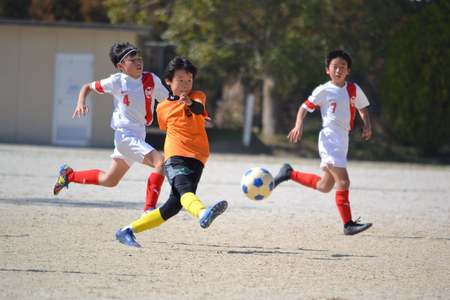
(130, 146)
(333, 147)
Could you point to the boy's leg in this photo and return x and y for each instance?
(155, 180)
(114, 174)
(342, 201)
(150, 220)
(196, 208)
(190, 171)
(186, 186)
(342, 185)
(323, 184)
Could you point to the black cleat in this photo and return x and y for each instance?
(283, 175)
(353, 227)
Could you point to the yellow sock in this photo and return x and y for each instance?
(151, 220)
(192, 204)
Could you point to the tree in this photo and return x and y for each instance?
(238, 38)
(53, 10)
(416, 82)
(154, 13)
(14, 9)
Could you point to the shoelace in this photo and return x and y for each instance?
(357, 221)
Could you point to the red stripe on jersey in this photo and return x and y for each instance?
(99, 87)
(309, 104)
(149, 85)
(351, 89)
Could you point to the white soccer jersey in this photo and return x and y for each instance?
(337, 104)
(134, 99)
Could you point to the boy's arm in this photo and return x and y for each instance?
(196, 107)
(196, 102)
(367, 129)
(161, 113)
(296, 133)
(161, 93)
(107, 85)
(82, 109)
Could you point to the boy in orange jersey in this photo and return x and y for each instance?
(186, 150)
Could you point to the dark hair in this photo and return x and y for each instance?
(341, 54)
(120, 50)
(179, 63)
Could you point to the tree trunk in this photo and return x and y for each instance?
(268, 118)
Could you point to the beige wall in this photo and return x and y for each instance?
(27, 55)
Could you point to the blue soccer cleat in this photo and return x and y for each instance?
(62, 181)
(126, 237)
(212, 212)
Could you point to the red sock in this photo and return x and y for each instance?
(343, 206)
(154, 184)
(84, 177)
(307, 179)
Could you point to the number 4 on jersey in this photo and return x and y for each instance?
(126, 101)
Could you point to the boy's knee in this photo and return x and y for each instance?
(159, 163)
(325, 189)
(325, 186)
(156, 161)
(343, 184)
(110, 182)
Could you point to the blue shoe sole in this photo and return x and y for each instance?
(212, 213)
(64, 170)
(126, 239)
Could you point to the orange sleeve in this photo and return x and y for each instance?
(199, 96)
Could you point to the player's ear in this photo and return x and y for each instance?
(119, 66)
(168, 82)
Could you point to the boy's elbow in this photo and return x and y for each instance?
(86, 87)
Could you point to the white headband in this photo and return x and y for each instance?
(126, 54)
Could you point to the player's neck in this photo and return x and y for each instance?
(134, 76)
(340, 84)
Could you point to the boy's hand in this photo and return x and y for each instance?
(80, 111)
(295, 134)
(366, 133)
(185, 99)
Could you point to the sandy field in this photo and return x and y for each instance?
(289, 246)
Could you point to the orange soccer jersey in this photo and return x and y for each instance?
(185, 131)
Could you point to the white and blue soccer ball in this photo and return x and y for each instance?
(257, 183)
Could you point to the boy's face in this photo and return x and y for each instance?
(132, 65)
(181, 83)
(338, 71)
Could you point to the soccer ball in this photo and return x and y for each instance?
(257, 183)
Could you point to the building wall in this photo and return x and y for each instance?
(27, 55)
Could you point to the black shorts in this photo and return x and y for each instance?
(183, 174)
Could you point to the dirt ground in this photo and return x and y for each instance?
(290, 246)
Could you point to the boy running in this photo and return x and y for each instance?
(134, 93)
(338, 101)
(186, 150)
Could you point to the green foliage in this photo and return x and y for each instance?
(54, 10)
(141, 12)
(416, 81)
(14, 9)
(400, 50)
